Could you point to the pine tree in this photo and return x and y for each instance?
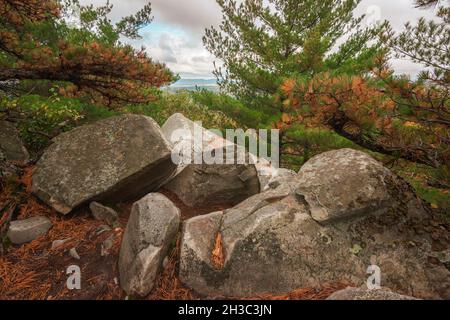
(263, 42)
(385, 112)
(37, 43)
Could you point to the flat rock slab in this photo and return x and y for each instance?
(22, 231)
(117, 159)
(150, 232)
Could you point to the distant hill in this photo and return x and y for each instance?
(193, 84)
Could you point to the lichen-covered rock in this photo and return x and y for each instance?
(214, 183)
(341, 183)
(22, 231)
(366, 294)
(115, 159)
(150, 232)
(204, 184)
(11, 146)
(271, 243)
(281, 176)
(199, 234)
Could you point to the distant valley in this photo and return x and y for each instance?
(193, 84)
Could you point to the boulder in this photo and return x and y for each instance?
(341, 183)
(116, 159)
(150, 232)
(272, 243)
(204, 184)
(11, 146)
(22, 231)
(103, 213)
(366, 294)
(214, 183)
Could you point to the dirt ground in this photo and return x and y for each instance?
(36, 271)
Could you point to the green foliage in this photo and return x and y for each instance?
(303, 143)
(43, 117)
(262, 42)
(246, 117)
(431, 184)
(96, 26)
(182, 102)
(426, 43)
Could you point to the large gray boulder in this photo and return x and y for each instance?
(200, 184)
(272, 243)
(366, 294)
(116, 159)
(22, 231)
(205, 184)
(11, 146)
(150, 232)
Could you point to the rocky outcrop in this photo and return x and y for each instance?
(11, 146)
(366, 294)
(274, 243)
(116, 159)
(22, 231)
(199, 183)
(150, 232)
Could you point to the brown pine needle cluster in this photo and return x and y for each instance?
(217, 254)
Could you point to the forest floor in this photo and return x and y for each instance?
(36, 271)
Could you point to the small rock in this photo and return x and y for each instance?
(165, 262)
(58, 243)
(107, 245)
(103, 213)
(74, 254)
(22, 231)
(102, 228)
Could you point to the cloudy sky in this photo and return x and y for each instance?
(175, 36)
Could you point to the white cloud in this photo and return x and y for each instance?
(175, 37)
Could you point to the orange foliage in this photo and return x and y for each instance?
(217, 254)
(373, 115)
(109, 74)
